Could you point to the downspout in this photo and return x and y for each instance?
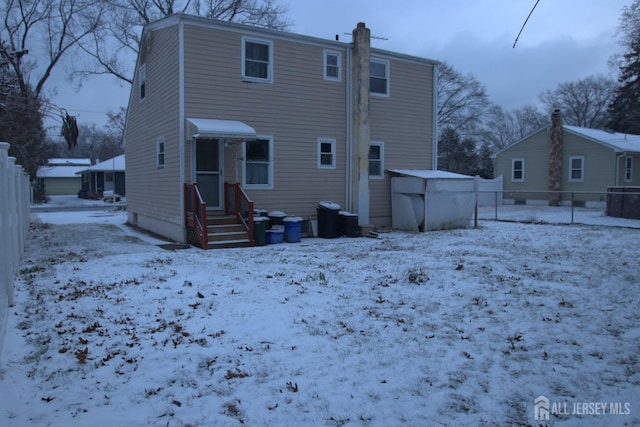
(434, 119)
(349, 148)
(181, 136)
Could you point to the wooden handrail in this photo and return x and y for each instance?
(196, 213)
(239, 198)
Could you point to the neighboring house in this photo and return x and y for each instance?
(293, 120)
(59, 176)
(591, 161)
(104, 176)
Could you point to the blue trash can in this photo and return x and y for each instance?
(292, 229)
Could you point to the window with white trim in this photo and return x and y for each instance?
(257, 60)
(332, 65)
(576, 168)
(160, 151)
(628, 169)
(142, 81)
(326, 153)
(257, 172)
(376, 160)
(379, 77)
(517, 170)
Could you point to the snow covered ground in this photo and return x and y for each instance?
(460, 327)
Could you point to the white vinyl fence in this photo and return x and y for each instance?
(14, 225)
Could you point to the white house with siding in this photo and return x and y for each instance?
(284, 119)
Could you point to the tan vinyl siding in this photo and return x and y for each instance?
(403, 121)
(153, 193)
(295, 110)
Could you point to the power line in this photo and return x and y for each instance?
(525, 23)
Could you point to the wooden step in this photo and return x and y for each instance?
(226, 244)
(225, 231)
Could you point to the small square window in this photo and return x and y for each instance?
(326, 153)
(332, 65)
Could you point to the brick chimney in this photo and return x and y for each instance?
(361, 131)
(555, 158)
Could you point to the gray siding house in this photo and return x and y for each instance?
(591, 161)
(286, 120)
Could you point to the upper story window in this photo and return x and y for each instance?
(517, 170)
(376, 160)
(332, 65)
(257, 60)
(379, 78)
(160, 151)
(576, 168)
(326, 153)
(628, 169)
(142, 80)
(258, 163)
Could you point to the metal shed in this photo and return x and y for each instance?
(423, 200)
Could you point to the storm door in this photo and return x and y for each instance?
(209, 171)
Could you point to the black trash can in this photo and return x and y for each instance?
(260, 230)
(349, 224)
(276, 218)
(328, 219)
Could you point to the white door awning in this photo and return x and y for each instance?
(222, 129)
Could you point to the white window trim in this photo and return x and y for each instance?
(160, 141)
(339, 65)
(571, 178)
(246, 78)
(628, 177)
(142, 80)
(268, 185)
(381, 145)
(513, 162)
(333, 153)
(387, 65)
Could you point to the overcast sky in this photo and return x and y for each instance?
(564, 40)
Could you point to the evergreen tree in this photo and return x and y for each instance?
(625, 108)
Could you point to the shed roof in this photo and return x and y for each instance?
(115, 164)
(59, 171)
(69, 162)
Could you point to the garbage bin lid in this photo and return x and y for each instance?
(260, 219)
(277, 214)
(292, 219)
(330, 205)
(345, 213)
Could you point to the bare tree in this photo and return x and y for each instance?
(504, 128)
(114, 47)
(584, 102)
(462, 101)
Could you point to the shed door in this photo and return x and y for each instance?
(209, 171)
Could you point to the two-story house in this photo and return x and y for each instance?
(228, 113)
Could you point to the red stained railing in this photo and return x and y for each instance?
(236, 202)
(195, 210)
